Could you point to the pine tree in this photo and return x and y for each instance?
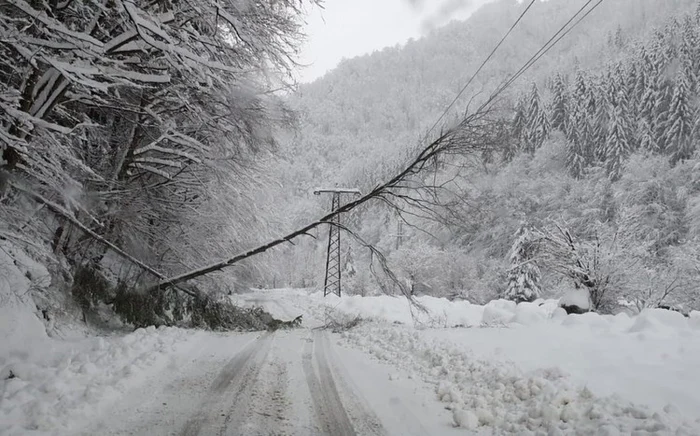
(580, 87)
(576, 160)
(690, 54)
(662, 107)
(630, 87)
(679, 123)
(619, 38)
(519, 123)
(601, 122)
(617, 144)
(524, 275)
(559, 104)
(646, 115)
(586, 139)
(645, 136)
(538, 126)
(577, 105)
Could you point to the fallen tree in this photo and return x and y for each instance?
(473, 134)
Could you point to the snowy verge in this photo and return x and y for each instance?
(48, 385)
(52, 385)
(487, 396)
(443, 313)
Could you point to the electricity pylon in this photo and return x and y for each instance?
(331, 284)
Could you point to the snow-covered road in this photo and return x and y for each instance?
(282, 383)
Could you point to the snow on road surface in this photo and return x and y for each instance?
(525, 369)
(281, 383)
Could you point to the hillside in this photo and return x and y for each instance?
(362, 119)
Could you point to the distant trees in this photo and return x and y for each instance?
(646, 101)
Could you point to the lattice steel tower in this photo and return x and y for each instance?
(332, 282)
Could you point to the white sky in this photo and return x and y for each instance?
(348, 28)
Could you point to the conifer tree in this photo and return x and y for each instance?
(647, 119)
(679, 123)
(690, 54)
(575, 153)
(524, 275)
(519, 122)
(630, 87)
(617, 144)
(662, 107)
(559, 104)
(601, 123)
(538, 126)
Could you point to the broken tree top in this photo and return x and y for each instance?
(319, 191)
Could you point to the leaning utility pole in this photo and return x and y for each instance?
(333, 266)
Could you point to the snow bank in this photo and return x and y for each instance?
(442, 313)
(501, 398)
(576, 297)
(50, 384)
(694, 320)
(659, 321)
(19, 322)
(45, 384)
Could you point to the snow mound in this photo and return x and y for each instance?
(504, 399)
(53, 384)
(19, 322)
(46, 384)
(658, 321)
(576, 297)
(530, 313)
(498, 312)
(694, 320)
(589, 319)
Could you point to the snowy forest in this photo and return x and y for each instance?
(142, 141)
(592, 182)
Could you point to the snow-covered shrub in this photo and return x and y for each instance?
(576, 301)
(524, 275)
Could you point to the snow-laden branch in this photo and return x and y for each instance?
(77, 38)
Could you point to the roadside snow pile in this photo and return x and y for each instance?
(18, 319)
(50, 383)
(443, 313)
(659, 321)
(45, 383)
(498, 396)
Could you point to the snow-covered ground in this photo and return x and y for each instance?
(453, 368)
(48, 386)
(517, 368)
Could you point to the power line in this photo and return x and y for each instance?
(471, 79)
(543, 50)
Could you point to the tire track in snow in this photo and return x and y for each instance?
(332, 416)
(364, 420)
(267, 409)
(230, 391)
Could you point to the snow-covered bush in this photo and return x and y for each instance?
(524, 274)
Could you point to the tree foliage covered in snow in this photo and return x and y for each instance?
(153, 124)
(524, 274)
